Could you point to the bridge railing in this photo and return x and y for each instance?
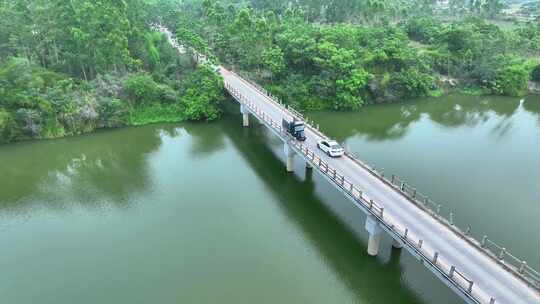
(518, 267)
(431, 257)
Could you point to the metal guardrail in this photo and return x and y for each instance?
(516, 266)
(450, 272)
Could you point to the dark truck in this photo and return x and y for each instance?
(295, 128)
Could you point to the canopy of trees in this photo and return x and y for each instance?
(69, 67)
(305, 53)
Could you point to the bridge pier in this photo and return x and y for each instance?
(245, 116)
(289, 155)
(396, 244)
(375, 233)
(308, 165)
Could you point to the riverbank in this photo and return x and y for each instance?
(145, 113)
(37, 103)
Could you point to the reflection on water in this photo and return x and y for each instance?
(92, 167)
(205, 213)
(205, 140)
(94, 171)
(390, 122)
(477, 156)
(533, 106)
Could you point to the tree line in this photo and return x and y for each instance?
(70, 67)
(314, 57)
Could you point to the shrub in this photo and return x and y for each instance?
(349, 90)
(108, 85)
(30, 122)
(413, 83)
(113, 113)
(425, 30)
(157, 112)
(511, 80)
(204, 94)
(141, 88)
(167, 94)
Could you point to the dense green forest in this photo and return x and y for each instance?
(69, 67)
(344, 54)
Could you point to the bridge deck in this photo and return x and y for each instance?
(490, 279)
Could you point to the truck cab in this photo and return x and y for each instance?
(295, 127)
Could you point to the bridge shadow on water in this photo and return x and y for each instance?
(372, 280)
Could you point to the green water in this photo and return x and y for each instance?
(479, 157)
(205, 213)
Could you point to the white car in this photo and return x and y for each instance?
(331, 147)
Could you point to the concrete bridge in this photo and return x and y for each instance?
(463, 264)
(478, 271)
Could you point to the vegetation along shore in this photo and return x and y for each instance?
(72, 67)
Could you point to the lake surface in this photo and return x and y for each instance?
(205, 213)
